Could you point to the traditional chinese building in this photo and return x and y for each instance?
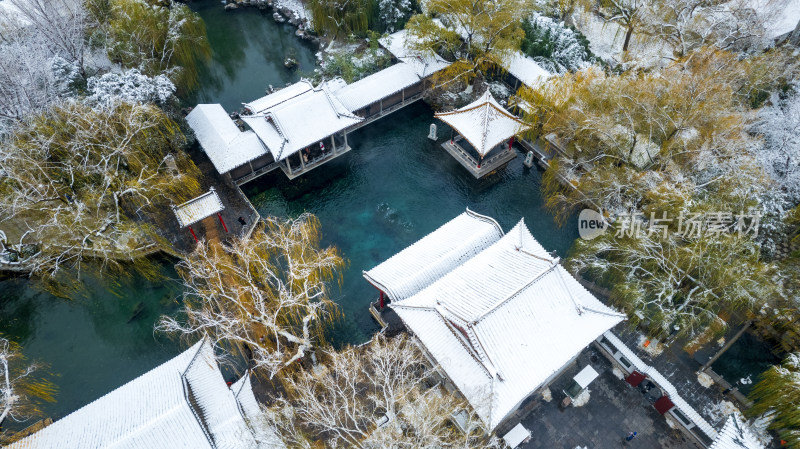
(485, 135)
(499, 315)
(182, 404)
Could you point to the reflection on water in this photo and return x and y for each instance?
(742, 364)
(393, 188)
(95, 342)
(248, 50)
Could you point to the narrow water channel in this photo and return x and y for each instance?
(394, 187)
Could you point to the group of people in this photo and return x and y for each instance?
(309, 156)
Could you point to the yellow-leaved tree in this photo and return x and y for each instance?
(265, 294)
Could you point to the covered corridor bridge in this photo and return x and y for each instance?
(300, 127)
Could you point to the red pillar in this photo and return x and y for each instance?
(510, 142)
(193, 235)
(222, 221)
(381, 299)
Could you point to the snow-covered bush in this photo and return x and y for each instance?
(554, 46)
(131, 86)
(780, 153)
(394, 13)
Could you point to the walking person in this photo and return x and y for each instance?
(631, 435)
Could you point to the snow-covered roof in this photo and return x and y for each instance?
(736, 435)
(264, 432)
(377, 86)
(198, 208)
(484, 123)
(278, 97)
(291, 123)
(663, 383)
(504, 322)
(526, 70)
(156, 411)
(221, 139)
(435, 255)
(399, 44)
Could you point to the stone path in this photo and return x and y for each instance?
(613, 410)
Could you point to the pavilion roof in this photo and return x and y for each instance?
(290, 123)
(221, 139)
(154, 411)
(736, 435)
(435, 255)
(198, 208)
(504, 322)
(483, 123)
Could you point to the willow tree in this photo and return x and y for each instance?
(80, 183)
(23, 389)
(158, 39)
(480, 35)
(265, 294)
(654, 151)
(374, 397)
(340, 17)
(776, 395)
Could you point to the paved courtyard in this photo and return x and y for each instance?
(614, 409)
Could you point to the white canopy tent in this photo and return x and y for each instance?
(483, 123)
(586, 376)
(516, 436)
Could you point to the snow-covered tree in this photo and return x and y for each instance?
(671, 142)
(265, 294)
(131, 86)
(80, 182)
(340, 17)
(554, 46)
(628, 14)
(394, 13)
(738, 25)
(28, 83)
(59, 24)
(779, 155)
(22, 388)
(480, 35)
(158, 38)
(374, 397)
(776, 395)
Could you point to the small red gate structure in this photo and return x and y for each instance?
(199, 208)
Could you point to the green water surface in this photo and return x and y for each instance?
(394, 187)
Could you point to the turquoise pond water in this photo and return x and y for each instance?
(394, 187)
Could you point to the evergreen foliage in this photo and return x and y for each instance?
(554, 46)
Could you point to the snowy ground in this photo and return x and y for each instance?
(606, 39)
(297, 7)
(784, 21)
